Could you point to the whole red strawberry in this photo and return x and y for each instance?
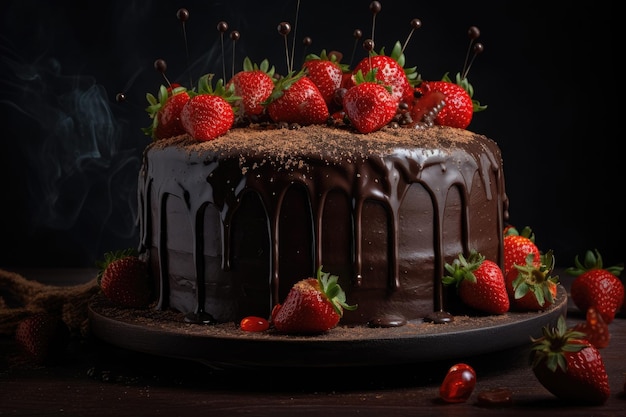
(313, 305)
(123, 278)
(325, 72)
(596, 286)
(459, 106)
(296, 99)
(43, 337)
(390, 71)
(480, 283)
(209, 114)
(517, 247)
(254, 84)
(206, 117)
(165, 112)
(369, 105)
(531, 287)
(569, 366)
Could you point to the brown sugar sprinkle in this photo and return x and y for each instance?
(285, 148)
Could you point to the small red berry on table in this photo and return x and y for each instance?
(254, 324)
(458, 384)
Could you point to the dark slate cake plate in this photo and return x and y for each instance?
(165, 333)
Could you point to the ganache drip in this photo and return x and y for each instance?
(224, 180)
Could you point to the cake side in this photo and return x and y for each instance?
(228, 226)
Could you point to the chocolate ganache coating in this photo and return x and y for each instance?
(229, 225)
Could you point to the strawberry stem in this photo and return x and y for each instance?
(554, 343)
(332, 290)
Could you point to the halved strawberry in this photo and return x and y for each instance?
(595, 329)
(425, 108)
(459, 106)
(313, 305)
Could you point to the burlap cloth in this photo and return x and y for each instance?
(20, 297)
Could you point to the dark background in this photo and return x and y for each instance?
(70, 153)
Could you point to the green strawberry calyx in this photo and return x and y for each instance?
(397, 54)
(526, 232)
(553, 345)
(462, 269)
(264, 66)
(592, 260)
(283, 84)
(157, 103)
(205, 86)
(110, 257)
(370, 77)
(331, 57)
(535, 279)
(332, 290)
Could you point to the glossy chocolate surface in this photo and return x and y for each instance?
(229, 225)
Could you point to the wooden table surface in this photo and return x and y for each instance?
(97, 379)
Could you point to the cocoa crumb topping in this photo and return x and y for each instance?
(257, 145)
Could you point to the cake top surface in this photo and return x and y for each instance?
(291, 146)
(276, 141)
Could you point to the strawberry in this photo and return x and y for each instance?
(480, 283)
(569, 366)
(296, 99)
(254, 84)
(459, 106)
(518, 246)
(209, 114)
(369, 105)
(206, 117)
(313, 305)
(123, 278)
(165, 112)
(596, 286)
(531, 287)
(595, 329)
(391, 72)
(325, 72)
(43, 337)
(425, 108)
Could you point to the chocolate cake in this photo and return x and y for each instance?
(229, 225)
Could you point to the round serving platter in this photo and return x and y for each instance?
(165, 333)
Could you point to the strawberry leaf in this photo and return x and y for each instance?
(330, 288)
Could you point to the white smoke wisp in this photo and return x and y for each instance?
(81, 179)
